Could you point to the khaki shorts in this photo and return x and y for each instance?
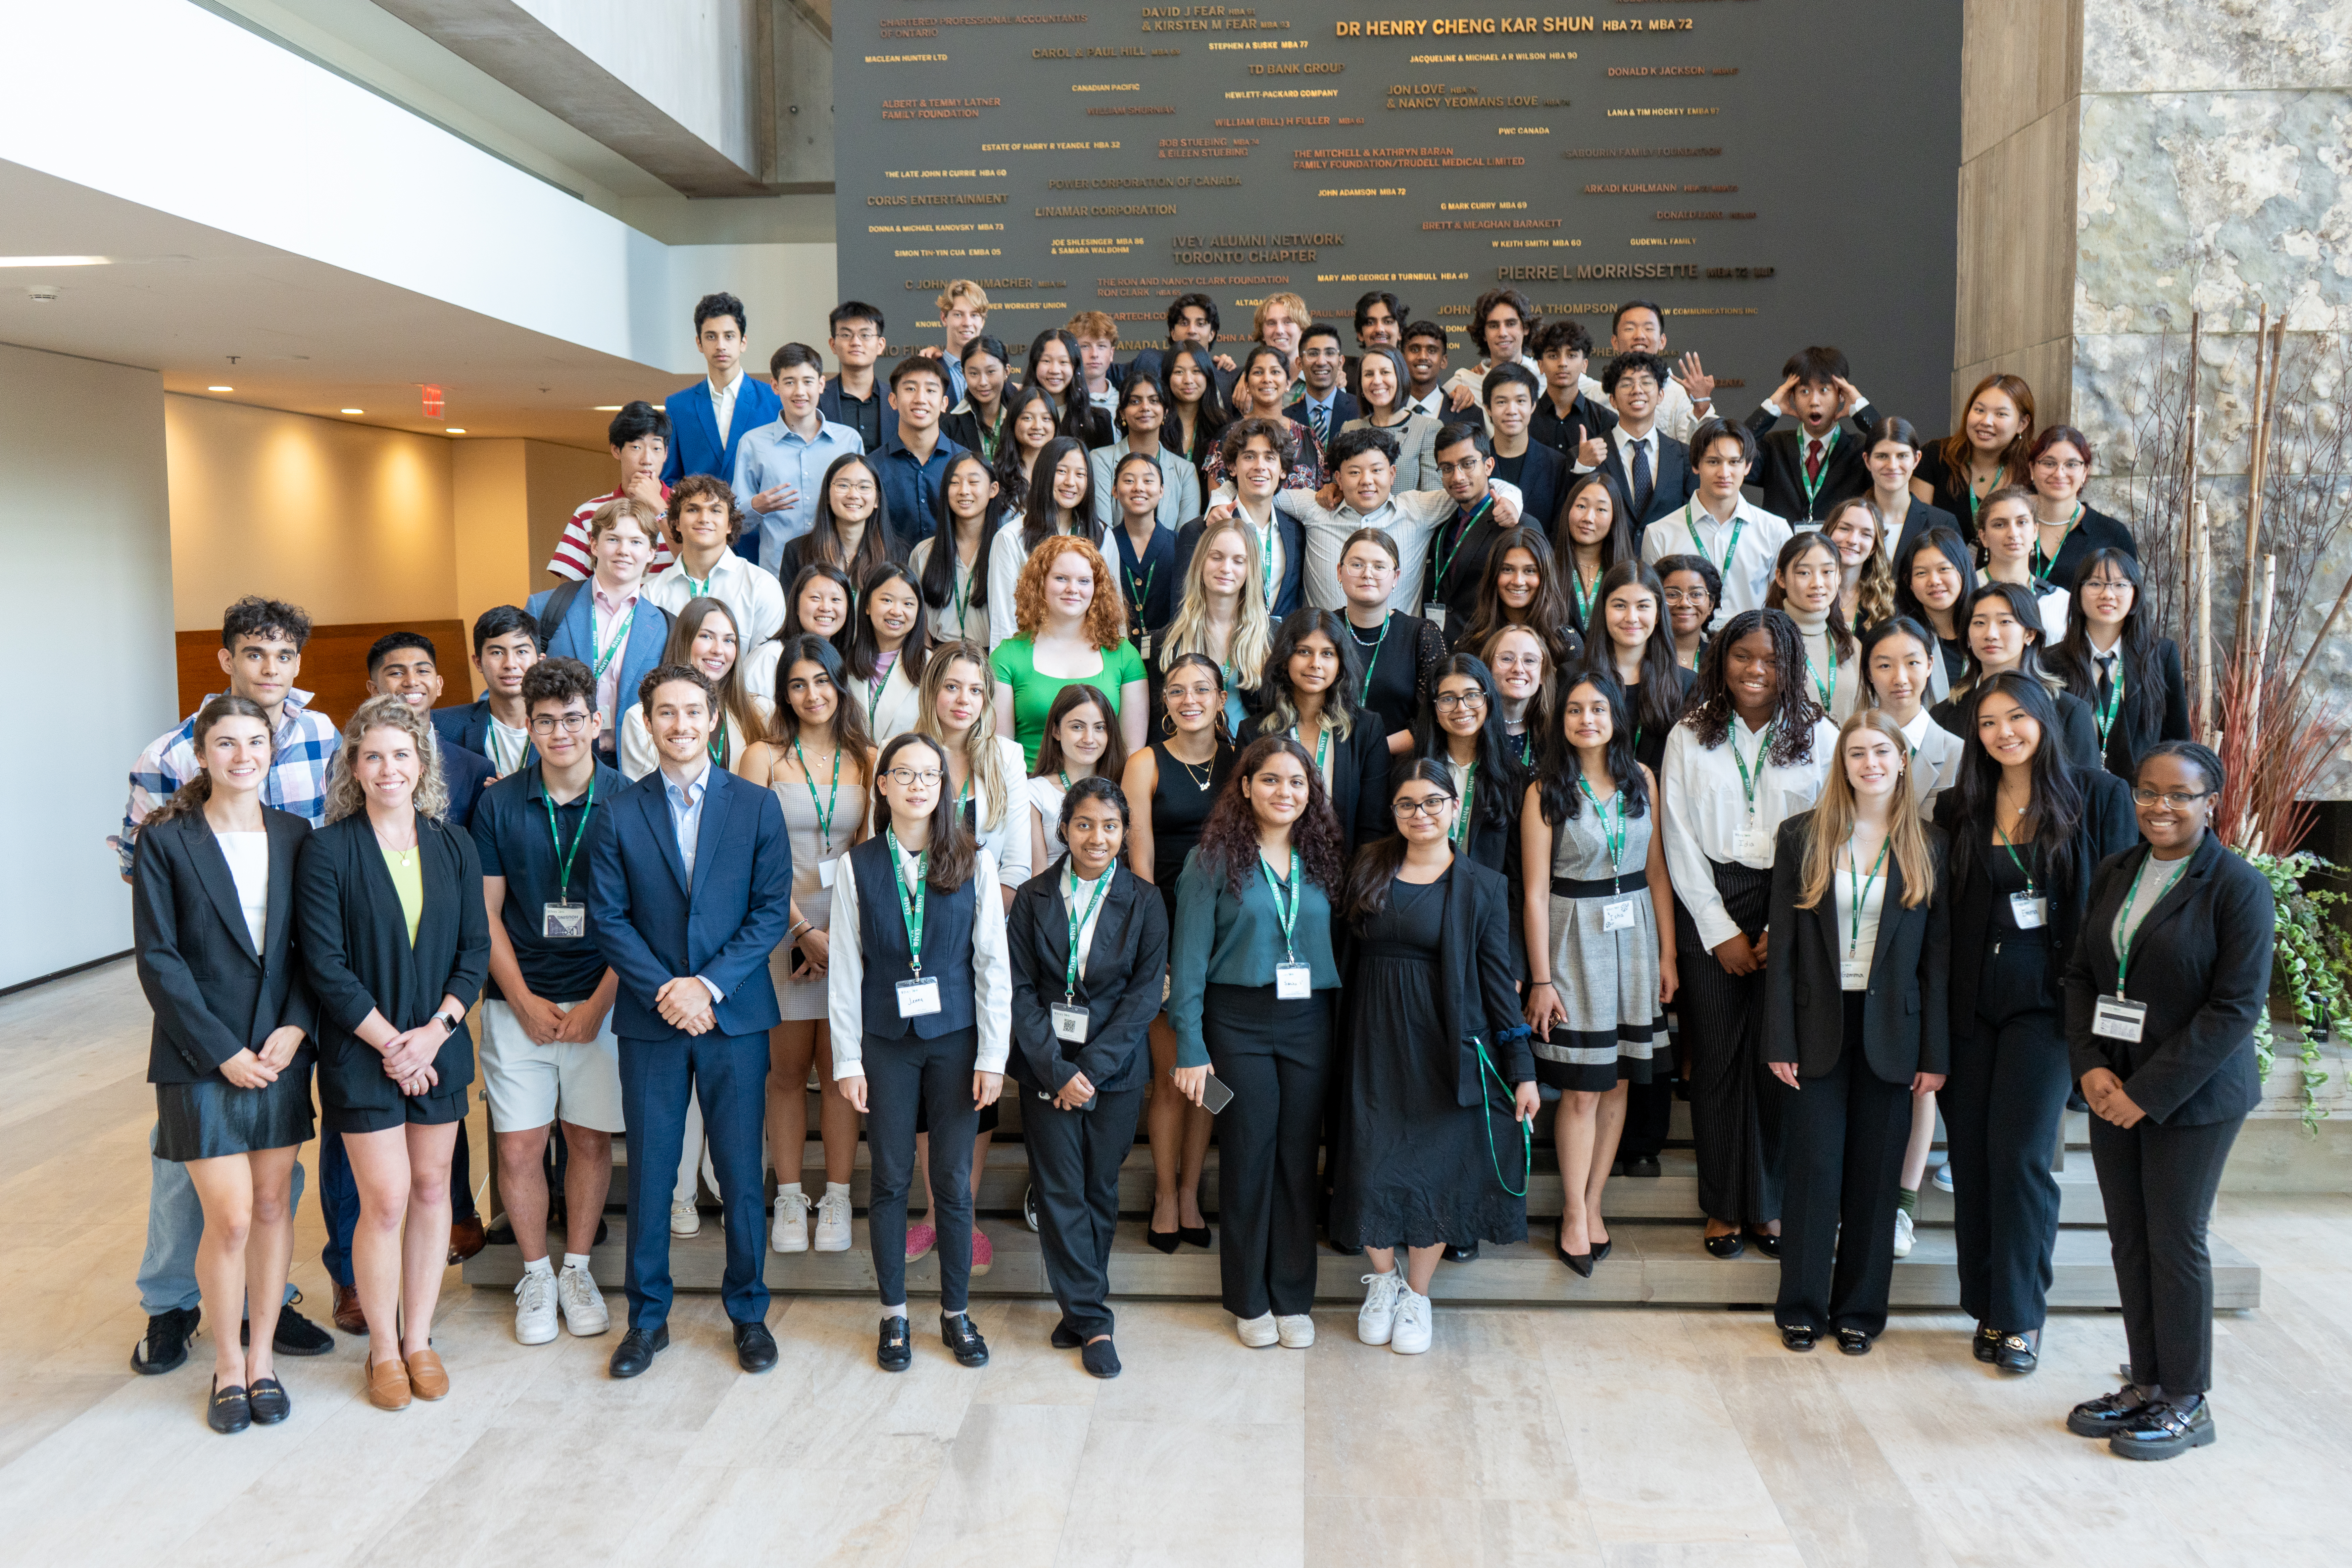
(528, 1084)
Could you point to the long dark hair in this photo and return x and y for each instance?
(2023, 605)
(1037, 521)
(1011, 477)
(1794, 711)
(1561, 768)
(938, 569)
(1617, 545)
(801, 580)
(2140, 648)
(1076, 405)
(2057, 799)
(1075, 695)
(824, 537)
(1546, 613)
(1135, 381)
(1211, 416)
(189, 799)
(1659, 701)
(1342, 708)
(1501, 780)
(1228, 842)
(1375, 865)
(954, 856)
(1952, 548)
(849, 732)
(865, 656)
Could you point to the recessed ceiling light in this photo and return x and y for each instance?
(220, 389)
(55, 260)
(606, 408)
(454, 430)
(355, 411)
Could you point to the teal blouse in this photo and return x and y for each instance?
(1221, 940)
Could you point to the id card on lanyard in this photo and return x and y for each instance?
(1069, 1018)
(2117, 1018)
(565, 920)
(1292, 981)
(918, 998)
(1752, 843)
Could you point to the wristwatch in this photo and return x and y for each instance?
(448, 1023)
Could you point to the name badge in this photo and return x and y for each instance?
(1292, 983)
(1069, 1023)
(826, 870)
(1143, 647)
(2119, 1019)
(560, 920)
(1751, 845)
(1436, 615)
(918, 998)
(1617, 915)
(2030, 913)
(1854, 974)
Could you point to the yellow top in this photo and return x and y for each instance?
(408, 880)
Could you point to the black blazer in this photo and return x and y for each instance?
(2078, 731)
(1120, 988)
(1359, 776)
(2096, 530)
(1673, 484)
(2108, 827)
(2201, 962)
(828, 407)
(964, 429)
(355, 950)
(1457, 587)
(2131, 735)
(1543, 480)
(1919, 518)
(1477, 987)
(1778, 475)
(213, 995)
(1905, 1016)
(1288, 591)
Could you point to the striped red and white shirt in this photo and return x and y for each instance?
(573, 558)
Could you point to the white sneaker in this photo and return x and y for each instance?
(1412, 1335)
(582, 1303)
(833, 1222)
(1297, 1331)
(684, 1219)
(535, 1308)
(1377, 1317)
(1902, 1234)
(791, 1232)
(1257, 1332)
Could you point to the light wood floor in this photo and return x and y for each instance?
(1618, 1436)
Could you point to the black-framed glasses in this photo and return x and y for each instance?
(908, 778)
(1430, 805)
(2176, 800)
(570, 723)
(1448, 702)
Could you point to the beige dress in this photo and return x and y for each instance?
(815, 853)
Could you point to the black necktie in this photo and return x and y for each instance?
(1641, 480)
(2106, 679)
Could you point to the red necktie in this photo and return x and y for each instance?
(1814, 460)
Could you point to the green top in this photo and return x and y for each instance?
(407, 868)
(1220, 940)
(1014, 663)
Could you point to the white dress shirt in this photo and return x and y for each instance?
(891, 705)
(1043, 795)
(1677, 416)
(686, 821)
(1626, 441)
(1707, 811)
(754, 597)
(611, 622)
(1007, 839)
(722, 405)
(1431, 403)
(1076, 896)
(992, 970)
(1748, 572)
(1411, 518)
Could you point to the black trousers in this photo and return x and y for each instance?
(1075, 1158)
(2002, 1106)
(1735, 1125)
(1275, 1058)
(1649, 1113)
(936, 1076)
(1842, 1136)
(2158, 1184)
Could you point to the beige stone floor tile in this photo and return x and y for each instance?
(1004, 1486)
(1467, 1532)
(1163, 1493)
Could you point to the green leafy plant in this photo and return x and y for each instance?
(2309, 969)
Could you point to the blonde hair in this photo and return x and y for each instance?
(989, 786)
(650, 518)
(1106, 620)
(1292, 305)
(1832, 822)
(347, 798)
(1874, 586)
(1252, 635)
(1092, 324)
(965, 290)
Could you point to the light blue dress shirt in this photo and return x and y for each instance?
(686, 821)
(775, 454)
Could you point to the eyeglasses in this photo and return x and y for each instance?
(908, 778)
(2062, 465)
(1429, 805)
(857, 335)
(570, 723)
(2104, 584)
(2172, 800)
(1466, 467)
(1688, 597)
(1448, 701)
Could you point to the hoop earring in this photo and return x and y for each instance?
(1168, 724)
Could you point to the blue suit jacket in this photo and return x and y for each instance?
(694, 444)
(651, 927)
(466, 724)
(468, 774)
(1344, 408)
(576, 638)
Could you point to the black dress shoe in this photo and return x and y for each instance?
(961, 1335)
(2163, 1427)
(1797, 1339)
(1578, 1263)
(1192, 1234)
(1162, 1240)
(1064, 1337)
(636, 1351)
(229, 1410)
(1461, 1254)
(895, 1352)
(1098, 1358)
(2106, 1414)
(166, 1344)
(1766, 1242)
(294, 1335)
(266, 1399)
(1603, 1250)
(1986, 1344)
(501, 1232)
(755, 1347)
(2016, 1353)
(1642, 1165)
(1729, 1246)
(1853, 1341)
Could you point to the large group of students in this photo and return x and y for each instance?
(1366, 766)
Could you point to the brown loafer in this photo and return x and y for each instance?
(387, 1385)
(426, 1375)
(466, 1237)
(348, 1315)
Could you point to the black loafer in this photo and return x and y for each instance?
(1192, 1234)
(266, 1399)
(1729, 1246)
(1986, 1344)
(755, 1347)
(1642, 1165)
(636, 1351)
(1766, 1242)
(1797, 1339)
(1098, 1358)
(2107, 1415)
(2164, 1427)
(1461, 1254)
(229, 1410)
(2016, 1353)
(294, 1335)
(895, 1352)
(166, 1344)
(1064, 1337)
(1853, 1341)
(961, 1335)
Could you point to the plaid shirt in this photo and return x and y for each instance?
(298, 775)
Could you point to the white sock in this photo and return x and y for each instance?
(792, 1187)
(538, 1266)
(836, 1189)
(897, 1312)
(576, 1260)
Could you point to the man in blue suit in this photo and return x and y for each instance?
(606, 623)
(709, 419)
(690, 890)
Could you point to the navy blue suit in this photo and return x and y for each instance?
(652, 926)
(694, 444)
(468, 774)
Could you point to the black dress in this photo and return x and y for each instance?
(1178, 806)
(1401, 661)
(1650, 740)
(1414, 1166)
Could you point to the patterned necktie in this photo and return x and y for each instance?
(1642, 480)
(1318, 419)
(1813, 462)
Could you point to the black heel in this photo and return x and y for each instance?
(1578, 1263)
(1162, 1240)
(1192, 1234)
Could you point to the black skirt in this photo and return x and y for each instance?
(213, 1117)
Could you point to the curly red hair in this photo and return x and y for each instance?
(1105, 622)
(1228, 843)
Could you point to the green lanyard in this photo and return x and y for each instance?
(1469, 519)
(1581, 598)
(1140, 589)
(1747, 782)
(1078, 924)
(1322, 744)
(1373, 659)
(620, 635)
(695, 590)
(1690, 522)
(1859, 884)
(1271, 524)
(565, 857)
(2104, 712)
(2039, 566)
(2015, 859)
(499, 760)
(1612, 823)
(1469, 798)
(1285, 913)
(1813, 486)
(880, 684)
(717, 744)
(2124, 947)
(961, 600)
(824, 807)
(1825, 688)
(992, 437)
(910, 905)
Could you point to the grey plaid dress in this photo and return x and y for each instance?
(1608, 980)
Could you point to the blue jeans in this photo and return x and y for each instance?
(176, 1226)
(338, 1204)
(728, 1075)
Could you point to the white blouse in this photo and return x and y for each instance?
(892, 709)
(972, 627)
(1708, 815)
(992, 972)
(247, 855)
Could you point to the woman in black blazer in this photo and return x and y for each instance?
(2027, 826)
(1309, 693)
(1855, 1026)
(212, 902)
(2004, 629)
(1081, 1038)
(2068, 530)
(396, 942)
(1463, 729)
(2162, 995)
(2124, 673)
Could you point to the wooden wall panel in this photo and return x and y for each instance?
(334, 663)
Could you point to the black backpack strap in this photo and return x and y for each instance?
(559, 604)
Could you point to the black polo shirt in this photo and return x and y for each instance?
(511, 833)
